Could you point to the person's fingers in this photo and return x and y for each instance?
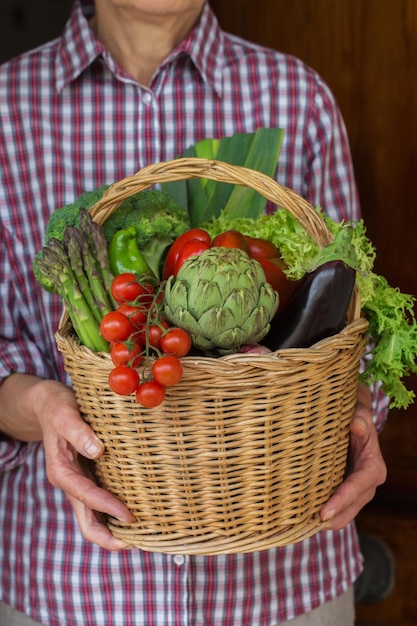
(59, 417)
(366, 469)
(339, 513)
(93, 527)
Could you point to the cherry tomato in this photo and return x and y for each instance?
(125, 354)
(230, 239)
(261, 248)
(275, 275)
(154, 332)
(176, 342)
(147, 296)
(176, 247)
(137, 315)
(115, 326)
(150, 394)
(123, 380)
(125, 287)
(167, 370)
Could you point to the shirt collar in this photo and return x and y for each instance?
(205, 46)
(78, 48)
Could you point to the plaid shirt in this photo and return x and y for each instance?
(72, 120)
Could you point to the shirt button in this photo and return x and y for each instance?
(179, 559)
(146, 98)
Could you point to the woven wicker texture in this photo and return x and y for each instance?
(246, 449)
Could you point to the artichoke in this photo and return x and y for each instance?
(222, 299)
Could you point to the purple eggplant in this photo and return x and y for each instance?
(318, 305)
(316, 309)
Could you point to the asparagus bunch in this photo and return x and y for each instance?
(80, 271)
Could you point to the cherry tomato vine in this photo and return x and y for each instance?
(145, 349)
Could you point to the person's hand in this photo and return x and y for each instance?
(65, 437)
(367, 469)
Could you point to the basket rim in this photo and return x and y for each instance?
(319, 352)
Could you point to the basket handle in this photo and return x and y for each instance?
(185, 168)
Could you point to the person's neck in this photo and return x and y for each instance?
(140, 43)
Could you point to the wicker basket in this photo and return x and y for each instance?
(246, 449)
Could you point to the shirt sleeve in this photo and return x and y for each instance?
(26, 344)
(380, 405)
(24, 335)
(329, 181)
(379, 400)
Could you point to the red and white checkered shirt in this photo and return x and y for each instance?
(72, 120)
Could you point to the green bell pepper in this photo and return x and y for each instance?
(124, 254)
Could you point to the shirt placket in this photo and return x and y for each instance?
(180, 573)
(149, 128)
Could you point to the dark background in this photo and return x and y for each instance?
(25, 24)
(367, 52)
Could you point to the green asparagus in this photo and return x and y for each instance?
(98, 246)
(78, 268)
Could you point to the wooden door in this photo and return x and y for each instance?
(367, 52)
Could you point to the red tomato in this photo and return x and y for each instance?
(125, 287)
(147, 296)
(167, 371)
(275, 275)
(136, 315)
(191, 248)
(154, 333)
(150, 394)
(261, 248)
(176, 247)
(176, 342)
(115, 326)
(123, 380)
(230, 239)
(124, 354)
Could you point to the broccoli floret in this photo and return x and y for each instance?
(69, 215)
(159, 219)
(156, 214)
(60, 219)
(117, 220)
